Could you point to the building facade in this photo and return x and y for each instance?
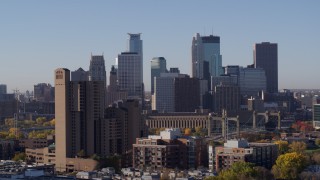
(186, 94)
(130, 74)
(261, 154)
(265, 56)
(252, 81)
(3, 89)
(169, 150)
(79, 109)
(158, 66)
(226, 97)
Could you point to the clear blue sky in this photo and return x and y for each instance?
(36, 37)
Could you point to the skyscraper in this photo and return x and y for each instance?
(97, 69)
(265, 56)
(130, 74)
(206, 57)
(158, 66)
(135, 44)
(113, 91)
(79, 109)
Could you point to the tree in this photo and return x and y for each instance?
(283, 146)
(263, 173)
(81, 153)
(53, 122)
(41, 120)
(238, 170)
(298, 147)
(316, 158)
(317, 141)
(19, 156)
(187, 132)
(289, 165)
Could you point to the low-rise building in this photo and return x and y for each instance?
(169, 150)
(261, 154)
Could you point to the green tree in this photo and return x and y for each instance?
(283, 146)
(289, 165)
(41, 120)
(298, 147)
(19, 156)
(238, 170)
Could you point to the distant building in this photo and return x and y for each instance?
(169, 150)
(226, 97)
(316, 116)
(8, 106)
(122, 124)
(97, 69)
(7, 149)
(206, 57)
(80, 75)
(113, 90)
(130, 74)
(177, 119)
(265, 56)
(43, 92)
(252, 81)
(3, 89)
(186, 94)
(261, 154)
(158, 66)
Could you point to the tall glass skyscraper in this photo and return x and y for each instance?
(206, 57)
(158, 66)
(130, 68)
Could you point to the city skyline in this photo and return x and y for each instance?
(42, 36)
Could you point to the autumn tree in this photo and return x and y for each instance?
(298, 147)
(187, 131)
(41, 120)
(317, 141)
(19, 157)
(283, 146)
(289, 165)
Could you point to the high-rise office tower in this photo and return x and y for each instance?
(97, 69)
(3, 89)
(79, 109)
(130, 74)
(265, 56)
(206, 57)
(186, 94)
(80, 75)
(158, 66)
(226, 97)
(113, 91)
(135, 44)
(251, 81)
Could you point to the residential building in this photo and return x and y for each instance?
(158, 66)
(79, 109)
(169, 150)
(122, 124)
(265, 56)
(261, 154)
